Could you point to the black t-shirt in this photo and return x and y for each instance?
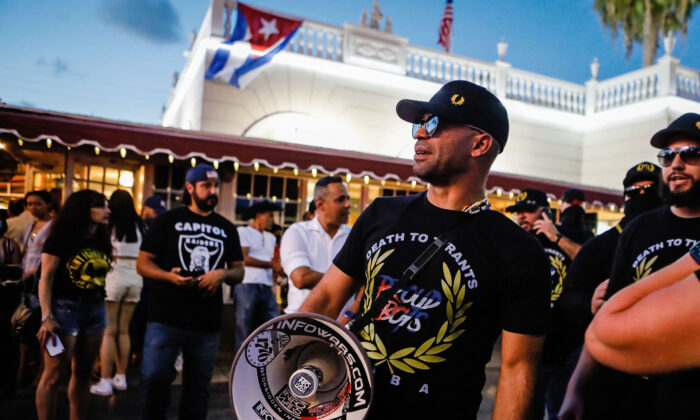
(553, 351)
(650, 242)
(591, 267)
(432, 340)
(82, 268)
(183, 239)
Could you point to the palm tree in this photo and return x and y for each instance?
(643, 20)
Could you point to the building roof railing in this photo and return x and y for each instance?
(367, 47)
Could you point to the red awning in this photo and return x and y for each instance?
(76, 130)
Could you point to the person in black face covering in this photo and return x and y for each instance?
(593, 265)
(571, 218)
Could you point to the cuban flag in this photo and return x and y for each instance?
(267, 34)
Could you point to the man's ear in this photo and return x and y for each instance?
(189, 187)
(482, 144)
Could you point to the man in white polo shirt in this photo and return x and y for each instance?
(253, 298)
(308, 248)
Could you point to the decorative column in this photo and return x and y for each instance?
(667, 68)
(592, 87)
(502, 68)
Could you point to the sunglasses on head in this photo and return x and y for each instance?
(431, 125)
(690, 155)
(635, 190)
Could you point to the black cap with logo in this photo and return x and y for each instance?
(462, 102)
(644, 171)
(529, 200)
(686, 126)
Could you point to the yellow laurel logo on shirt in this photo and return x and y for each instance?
(88, 269)
(411, 358)
(645, 167)
(457, 99)
(560, 268)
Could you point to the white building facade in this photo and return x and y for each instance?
(337, 87)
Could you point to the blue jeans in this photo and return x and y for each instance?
(80, 318)
(255, 304)
(162, 344)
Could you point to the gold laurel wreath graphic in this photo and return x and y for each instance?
(644, 268)
(410, 358)
(560, 269)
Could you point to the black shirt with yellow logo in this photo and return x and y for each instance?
(82, 268)
(431, 341)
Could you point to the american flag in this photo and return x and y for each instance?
(445, 29)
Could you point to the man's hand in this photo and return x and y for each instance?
(175, 278)
(547, 227)
(599, 296)
(211, 281)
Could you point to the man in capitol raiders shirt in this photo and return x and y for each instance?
(188, 253)
(308, 248)
(253, 299)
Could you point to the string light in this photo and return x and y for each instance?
(314, 172)
(413, 184)
(20, 142)
(122, 152)
(97, 150)
(256, 166)
(499, 192)
(235, 166)
(68, 147)
(366, 179)
(148, 157)
(296, 171)
(216, 164)
(193, 162)
(383, 181)
(275, 170)
(171, 159)
(348, 178)
(48, 143)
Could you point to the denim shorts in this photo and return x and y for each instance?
(79, 318)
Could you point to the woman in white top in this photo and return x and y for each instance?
(123, 289)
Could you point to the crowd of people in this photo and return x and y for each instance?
(590, 327)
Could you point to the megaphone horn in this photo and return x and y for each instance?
(301, 366)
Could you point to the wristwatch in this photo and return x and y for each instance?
(47, 317)
(695, 252)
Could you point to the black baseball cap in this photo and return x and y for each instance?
(686, 126)
(644, 171)
(573, 194)
(529, 200)
(462, 102)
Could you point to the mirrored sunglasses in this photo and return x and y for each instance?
(690, 155)
(635, 190)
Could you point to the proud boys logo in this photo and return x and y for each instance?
(200, 252)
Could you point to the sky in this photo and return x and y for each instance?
(116, 58)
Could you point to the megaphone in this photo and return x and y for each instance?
(301, 366)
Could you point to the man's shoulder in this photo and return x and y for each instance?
(648, 219)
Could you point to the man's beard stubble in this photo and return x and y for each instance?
(689, 198)
(206, 204)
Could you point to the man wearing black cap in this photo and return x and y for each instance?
(253, 298)
(652, 241)
(431, 336)
(590, 268)
(187, 253)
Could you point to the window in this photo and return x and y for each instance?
(104, 179)
(283, 191)
(169, 183)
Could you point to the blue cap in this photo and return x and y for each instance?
(201, 172)
(156, 203)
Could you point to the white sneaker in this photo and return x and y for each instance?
(119, 382)
(104, 388)
(178, 362)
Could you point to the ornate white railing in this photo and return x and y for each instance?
(545, 91)
(389, 52)
(628, 88)
(318, 40)
(436, 66)
(688, 83)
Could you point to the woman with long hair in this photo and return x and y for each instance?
(74, 263)
(123, 291)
